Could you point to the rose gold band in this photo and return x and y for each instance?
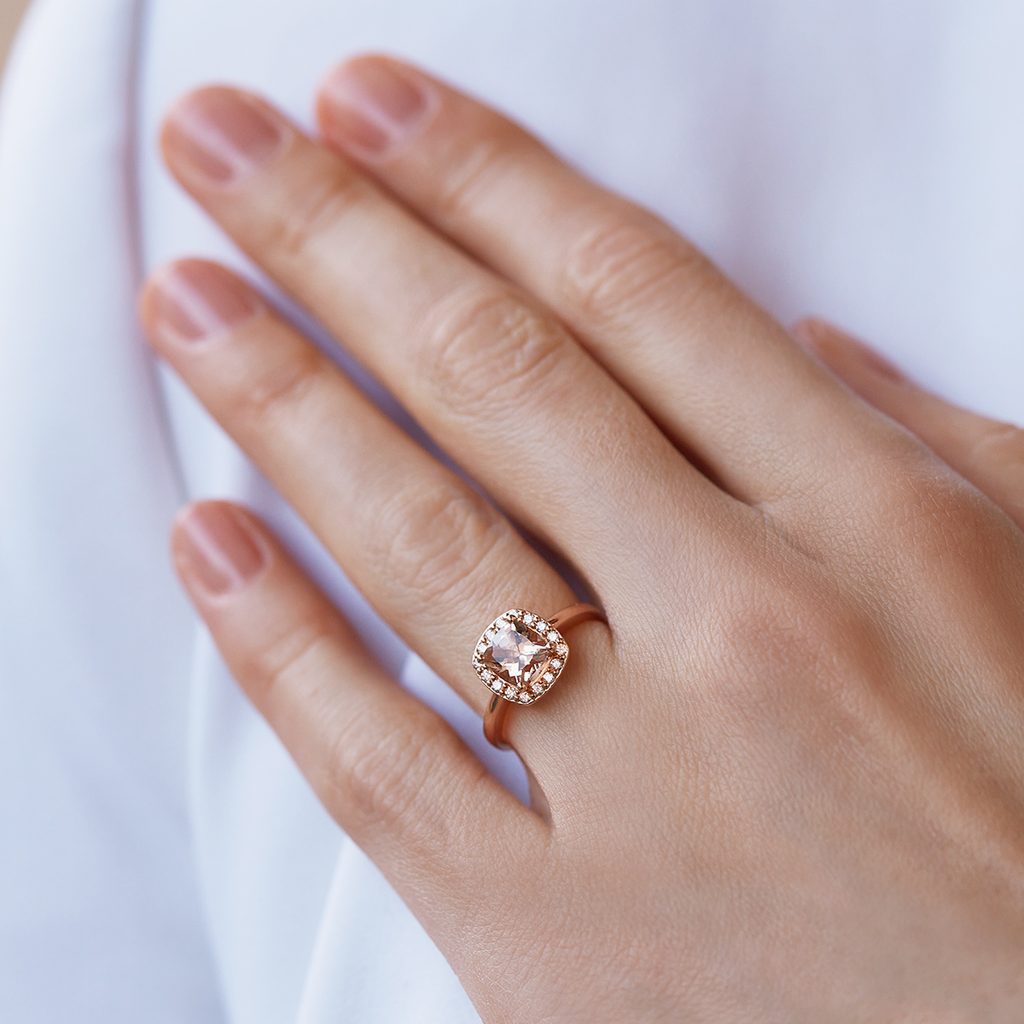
(498, 707)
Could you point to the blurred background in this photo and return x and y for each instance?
(10, 14)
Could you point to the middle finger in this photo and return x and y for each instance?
(499, 382)
(432, 556)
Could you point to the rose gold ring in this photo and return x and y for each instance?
(520, 656)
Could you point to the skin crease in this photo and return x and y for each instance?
(786, 782)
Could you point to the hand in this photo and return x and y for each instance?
(786, 781)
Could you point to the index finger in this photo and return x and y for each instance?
(716, 371)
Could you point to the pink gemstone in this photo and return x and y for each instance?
(514, 652)
(514, 655)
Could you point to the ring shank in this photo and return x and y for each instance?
(497, 707)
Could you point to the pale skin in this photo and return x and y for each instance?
(785, 782)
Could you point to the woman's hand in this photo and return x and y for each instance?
(786, 781)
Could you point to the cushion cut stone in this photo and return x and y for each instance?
(515, 652)
(520, 656)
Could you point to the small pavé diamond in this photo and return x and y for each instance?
(549, 677)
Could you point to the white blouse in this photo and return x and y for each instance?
(160, 857)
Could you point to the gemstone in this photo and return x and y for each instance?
(513, 652)
(516, 656)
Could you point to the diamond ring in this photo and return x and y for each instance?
(520, 656)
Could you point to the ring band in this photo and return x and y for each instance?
(520, 656)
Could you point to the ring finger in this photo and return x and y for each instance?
(498, 382)
(433, 556)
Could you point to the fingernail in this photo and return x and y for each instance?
(214, 550)
(221, 135)
(194, 300)
(373, 107)
(826, 338)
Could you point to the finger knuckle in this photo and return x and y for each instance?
(273, 662)
(624, 263)
(783, 627)
(1001, 446)
(925, 515)
(927, 508)
(487, 349)
(314, 212)
(437, 539)
(278, 391)
(790, 628)
(961, 529)
(476, 171)
(381, 774)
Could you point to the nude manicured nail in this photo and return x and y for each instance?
(221, 135)
(373, 106)
(214, 549)
(194, 300)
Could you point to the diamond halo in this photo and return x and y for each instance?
(520, 656)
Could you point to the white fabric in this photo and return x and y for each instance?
(160, 858)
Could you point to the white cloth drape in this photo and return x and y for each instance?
(160, 857)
